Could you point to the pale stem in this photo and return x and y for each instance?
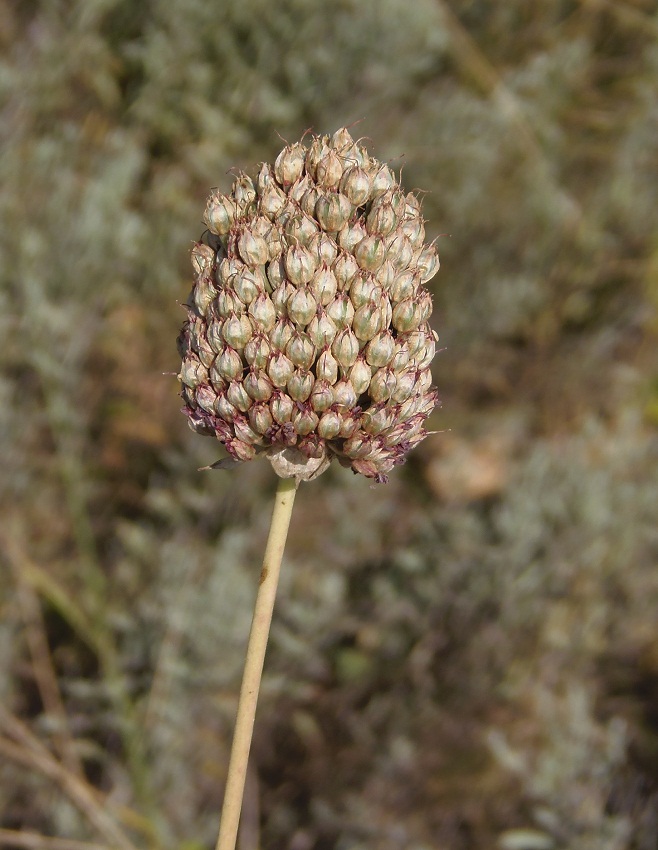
(253, 668)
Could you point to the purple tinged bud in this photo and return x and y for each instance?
(205, 398)
(240, 450)
(245, 433)
(226, 410)
(405, 386)
(359, 445)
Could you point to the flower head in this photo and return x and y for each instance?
(307, 335)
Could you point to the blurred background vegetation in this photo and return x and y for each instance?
(466, 658)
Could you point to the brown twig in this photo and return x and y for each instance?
(36, 841)
(26, 749)
(42, 662)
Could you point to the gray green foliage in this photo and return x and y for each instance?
(462, 659)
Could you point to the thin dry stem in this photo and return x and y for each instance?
(253, 669)
(42, 663)
(30, 752)
(35, 841)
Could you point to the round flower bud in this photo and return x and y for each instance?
(300, 385)
(237, 331)
(301, 306)
(257, 385)
(345, 348)
(220, 213)
(300, 264)
(229, 364)
(323, 285)
(279, 369)
(332, 211)
(289, 164)
(243, 193)
(329, 170)
(252, 248)
(260, 418)
(355, 185)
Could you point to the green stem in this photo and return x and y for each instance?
(253, 668)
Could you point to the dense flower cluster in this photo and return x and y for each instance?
(307, 335)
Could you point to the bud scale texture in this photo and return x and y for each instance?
(307, 334)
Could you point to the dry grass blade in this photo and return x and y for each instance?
(35, 841)
(27, 750)
(42, 664)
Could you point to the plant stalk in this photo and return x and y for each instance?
(253, 668)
